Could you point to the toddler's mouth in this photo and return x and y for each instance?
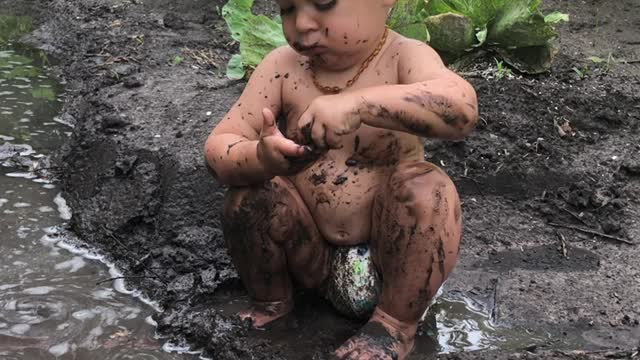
(313, 49)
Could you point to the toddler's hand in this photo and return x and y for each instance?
(279, 155)
(327, 120)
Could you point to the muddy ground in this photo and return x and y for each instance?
(134, 177)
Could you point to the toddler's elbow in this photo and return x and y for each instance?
(208, 157)
(471, 119)
(466, 123)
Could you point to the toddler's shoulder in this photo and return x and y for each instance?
(409, 48)
(417, 61)
(281, 56)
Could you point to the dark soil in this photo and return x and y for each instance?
(135, 178)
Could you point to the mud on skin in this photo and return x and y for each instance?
(374, 336)
(416, 126)
(438, 104)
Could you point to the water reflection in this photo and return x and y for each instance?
(50, 305)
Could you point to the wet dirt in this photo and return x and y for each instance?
(135, 179)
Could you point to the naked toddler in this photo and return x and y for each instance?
(343, 166)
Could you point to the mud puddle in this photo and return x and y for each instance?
(50, 305)
(453, 324)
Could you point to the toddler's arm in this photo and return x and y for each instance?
(431, 100)
(231, 151)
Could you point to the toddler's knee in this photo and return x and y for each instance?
(269, 207)
(415, 181)
(241, 202)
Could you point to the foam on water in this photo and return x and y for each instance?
(179, 349)
(84, 314)
(63, 208)
(38, 290)
(67, 241)
(20, 329)
(73, 265)
(8, 286)
(26, 175)
(59, 349)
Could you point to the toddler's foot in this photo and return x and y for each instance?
(263, 312)
(382, 338)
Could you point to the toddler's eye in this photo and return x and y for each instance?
(286, 11)
(325, 5)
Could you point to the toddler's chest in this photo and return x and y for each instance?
(299, 91)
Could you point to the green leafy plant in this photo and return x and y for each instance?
(257, 34)
(581, 73)
(177, 60)
(515, 30)
(502, 71)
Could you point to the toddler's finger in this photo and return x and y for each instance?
(333, 140)
(290, 148)
(268, 123)
(305, 123)
(318, 135)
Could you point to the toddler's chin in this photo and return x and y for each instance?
(330, 62)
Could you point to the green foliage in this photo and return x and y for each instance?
(257, 34)
(177, 60)
(502, 71)
(581, 73)
(516, 30)
(235, 68)
(406, 19)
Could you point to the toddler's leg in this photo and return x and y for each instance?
(271, 235)
(416, 228)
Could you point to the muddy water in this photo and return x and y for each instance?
(50, 304)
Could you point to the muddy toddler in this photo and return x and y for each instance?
(343, 166)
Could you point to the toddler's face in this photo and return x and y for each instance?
(333, 31)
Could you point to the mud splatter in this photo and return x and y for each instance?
(437, 197)
(230, 146)
(351, 162)
(339, 180)
(439, 105)
(376, 339)
(322, 198)
(441, 257)
(412, 124)
(318, 179)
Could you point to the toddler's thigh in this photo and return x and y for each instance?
(276, 206)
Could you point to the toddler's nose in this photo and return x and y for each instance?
(305, 22)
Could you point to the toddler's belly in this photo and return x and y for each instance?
(340, 199)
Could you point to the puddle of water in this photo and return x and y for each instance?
(50, 305)
(453, 324)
